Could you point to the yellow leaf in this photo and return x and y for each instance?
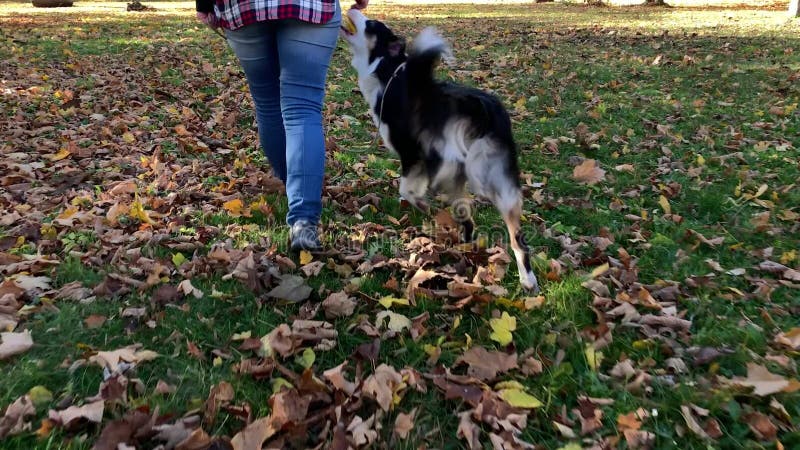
(388, 301)
(40, 395)
(700, 160)
(599, 270)
(788, 257)
(664, 203)
(520, 399)
(67, 213)
(510, 384)
(397, 322)
(593, 357)
(456, 322)
(429, 349)
(307, 358)
(241, 336)
(502, 328)
(128, 137)
(234, 207)
(571, 446)
(217, 361)
(178, 259)
(305, 257)
(278, 383)
(137, 212)
(63, 153)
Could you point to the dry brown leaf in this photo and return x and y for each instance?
(588, 172)
(218, 396)
(691, 422)
(13, 420)
(92, 412)
(94, 321)
(12, 343)
(381, 385)
(589, 415)
(761, 425)
(790, 339)
(404, 423)
(197, 440)
(763, 381)
(292, 288)
(485, 365)
(469, 430)
(253, 436)
(336, 376)
(338, 304)
(129, 354)
(362, 431)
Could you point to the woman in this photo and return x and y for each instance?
(285, 47)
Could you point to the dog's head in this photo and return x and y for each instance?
(370, 39)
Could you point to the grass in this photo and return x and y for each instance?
(664, 88)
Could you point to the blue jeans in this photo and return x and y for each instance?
(286, 64)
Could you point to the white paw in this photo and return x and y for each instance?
(529, 282)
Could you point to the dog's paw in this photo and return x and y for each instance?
(529, 282)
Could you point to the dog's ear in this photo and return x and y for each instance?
(397, 46)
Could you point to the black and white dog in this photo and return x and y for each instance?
(445, 134)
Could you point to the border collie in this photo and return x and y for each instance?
(445, 134)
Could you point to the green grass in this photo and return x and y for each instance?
(661, 103)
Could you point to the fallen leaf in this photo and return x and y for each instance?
(129, 354)
(389, 301)
(305, 257)
(94, 321)
(362, 430)
(789, 338)
(338, 304)
(397, 322)
(404, 423)
(761, 425)
(469, 430)
(12, 343)
(502, 328)
(219, 395)
(588, 172)
(692, 423)
(485, 365)
(234, 207)
(13, 420)
(91, 412)
(336, 377)
(252, 437)
(381, 385)
(762, 380)
(520, 399)
(186, 287)
(293, 288)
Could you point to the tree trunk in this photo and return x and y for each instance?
(794, 8)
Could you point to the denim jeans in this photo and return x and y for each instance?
(286, 64)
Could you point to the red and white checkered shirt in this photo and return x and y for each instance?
(233, 14)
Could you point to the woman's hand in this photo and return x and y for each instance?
(360, 4)
(210, 20)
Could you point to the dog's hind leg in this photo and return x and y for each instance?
(509, 203)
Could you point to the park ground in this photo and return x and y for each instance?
(148, 297)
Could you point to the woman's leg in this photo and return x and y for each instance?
(304, 52)
(256, 47)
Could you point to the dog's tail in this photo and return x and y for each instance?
(426, 51)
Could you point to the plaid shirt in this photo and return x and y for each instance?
(233, 14)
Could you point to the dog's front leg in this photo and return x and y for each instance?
(414, 188)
